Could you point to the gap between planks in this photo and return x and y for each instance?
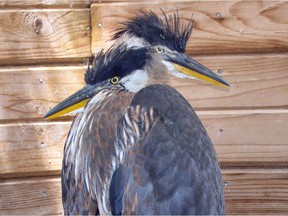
(224, 170)
(78, 64)
(68, 119)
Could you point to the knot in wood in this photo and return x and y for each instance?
(38, 25)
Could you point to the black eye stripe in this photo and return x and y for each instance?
(121, 61)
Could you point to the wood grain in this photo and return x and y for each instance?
(29, 36)
(35, 196)
(256, 191)
(46, 4)
(247, 138)
(29, 92)
(252, 191)
(58, 3)
(257, 82)
(242, 138)
(32, 149)
(219, 26)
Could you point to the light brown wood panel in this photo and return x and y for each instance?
(44, 3)
(256, 191)
(240, 139)
(58, 3)
(29, 36)
(35, 196)
(219, 26)
(249, 191)
(29, 92)
(249, 138)
(257, 81)
(32, 149)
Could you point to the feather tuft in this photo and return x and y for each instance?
(156, 31)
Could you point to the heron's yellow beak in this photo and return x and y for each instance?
(191, 67)
(75, 102)
(200, 76)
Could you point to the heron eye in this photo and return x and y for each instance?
(114, 80)
(159, 49)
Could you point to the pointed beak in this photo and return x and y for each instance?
(191, 67)
(76, 101)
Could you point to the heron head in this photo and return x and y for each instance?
(166, 40)
(120, 68)
(183, 66)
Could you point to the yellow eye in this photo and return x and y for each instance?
(159, 49)
(114, 80)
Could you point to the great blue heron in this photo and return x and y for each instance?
(139, 148)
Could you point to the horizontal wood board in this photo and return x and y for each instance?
(33, 36)
(29, 92)
(4, 4)
(257, 82)
(219, 26)
(246, 192)
(240, 138)
(60, 3)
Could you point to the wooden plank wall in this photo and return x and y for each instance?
(43, 45)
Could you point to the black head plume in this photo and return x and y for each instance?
(117, 61)
(168, 32)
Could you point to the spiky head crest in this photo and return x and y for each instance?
(117, 61)
(156, 31)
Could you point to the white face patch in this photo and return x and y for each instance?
(135, 81)
(175, 72)
(131, 41)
